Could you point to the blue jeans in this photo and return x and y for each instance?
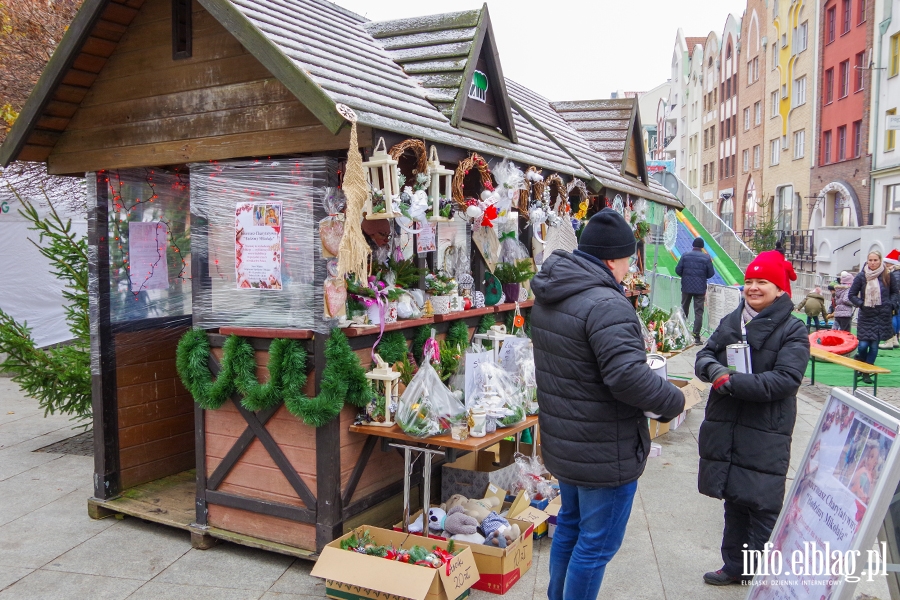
(814, 321)
(865, 352)
(590, 527)
(895, 320)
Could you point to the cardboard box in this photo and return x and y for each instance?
(501, 568)
(471, 474)
(692, 390)
(350, 576)
(552, 511)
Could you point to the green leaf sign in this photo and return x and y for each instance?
(478, 89)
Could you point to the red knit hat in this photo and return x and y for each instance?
(772, 266)
(893, 257)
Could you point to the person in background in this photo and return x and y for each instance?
(745, 438)
(594, 391)
(892, 262)
(843, 308)
(876, 294)
(695, 268)
(814, 305)
(779, 247)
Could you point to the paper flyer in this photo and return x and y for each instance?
(147, 243)
(257, 245)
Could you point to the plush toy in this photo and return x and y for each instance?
(474, 538)
(498, 531)
(435, 516)
(454, 500)
(479, 509)
(457, 522)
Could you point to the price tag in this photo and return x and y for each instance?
(460, 575)
(532, 515)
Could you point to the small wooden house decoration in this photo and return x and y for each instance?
(385, 383)
(441, 184)
(381, 173)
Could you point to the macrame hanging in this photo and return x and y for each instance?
(354, 251)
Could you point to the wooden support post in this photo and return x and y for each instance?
(329, 508)
(107, 482)
(200, 457)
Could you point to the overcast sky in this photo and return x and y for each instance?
(579, 49)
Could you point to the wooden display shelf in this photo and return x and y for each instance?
(633, 293)
(471, 444)
(464, 314)
(375, 329)
(268, 333)
(507, 306)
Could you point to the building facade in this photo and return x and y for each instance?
(840, 176)
(727, 144)
(708, 106)
(790, 89)
(752, 116)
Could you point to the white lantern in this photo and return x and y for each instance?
(441, 182)
(385, 383)
(381, 173)
(496, 335)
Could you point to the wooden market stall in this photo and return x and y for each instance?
(178, 111)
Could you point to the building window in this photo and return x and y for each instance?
(892, 198)
(826, 148)
(842, 142)
(727, 129)
(857, 139)
(799, 143)
(802, 37)
(846, 17)
(890, 136)
(830, 24)
(704, 174)
(757, 152)
(860, 70)
(774, 104)
(746, 157)
(774, 56)
(829, 86)
(747, 119)
(845, 78)
(757, 113)
(799, 91)
(862, 11)
(775, 148)
(894, 67)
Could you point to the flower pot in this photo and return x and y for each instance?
(390, 313)
(511, 291)
(374, 313)
(440, 305)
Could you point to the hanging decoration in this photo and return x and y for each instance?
(384, 184)
(418, 148)
(440, 190)
(354, 250)
(534, 189)
(670, 231)
(473, 162)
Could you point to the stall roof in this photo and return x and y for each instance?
(389, 73)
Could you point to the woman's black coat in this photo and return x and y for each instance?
(745, 440)
(874, 322)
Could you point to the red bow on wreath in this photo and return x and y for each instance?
(490, 213)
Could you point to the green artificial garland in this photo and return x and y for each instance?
(458, 335)
(422, 334)
(343, 376)
(486, 322)
(392, 347)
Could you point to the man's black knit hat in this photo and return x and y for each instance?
(607, 236)
(699, 243)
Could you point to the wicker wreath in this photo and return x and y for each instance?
(526, 195)
(560, 188)
(418, 147)
(474, 161)
(580, 186)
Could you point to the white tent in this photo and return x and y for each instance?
(29, 292)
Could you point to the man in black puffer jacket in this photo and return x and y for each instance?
(745, 439)
(695, 268)
(594, 391)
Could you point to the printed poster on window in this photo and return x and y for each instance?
(147, 244)
(257, 245)
(817, 544)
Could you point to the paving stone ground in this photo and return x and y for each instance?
(51, 550)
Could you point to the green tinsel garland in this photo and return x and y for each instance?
(458, 335)
(343, 378)
(422, 334)
(392, 347)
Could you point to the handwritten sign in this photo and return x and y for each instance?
(460, 574)
(475, 381)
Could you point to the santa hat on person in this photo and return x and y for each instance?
(893, 257)
(772, 266)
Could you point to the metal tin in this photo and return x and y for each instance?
(658, 365)
(739, 357)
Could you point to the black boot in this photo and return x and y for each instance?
(720, 577)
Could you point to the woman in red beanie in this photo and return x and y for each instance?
(876, 294)
(745, 439)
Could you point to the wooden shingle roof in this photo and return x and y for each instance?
(605, 124)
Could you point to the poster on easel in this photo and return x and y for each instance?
(257, 245)
(822, 543)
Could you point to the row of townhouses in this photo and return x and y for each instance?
(790, 116)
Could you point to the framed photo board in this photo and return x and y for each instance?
(822, 542)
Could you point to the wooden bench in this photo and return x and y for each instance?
(859, 368)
